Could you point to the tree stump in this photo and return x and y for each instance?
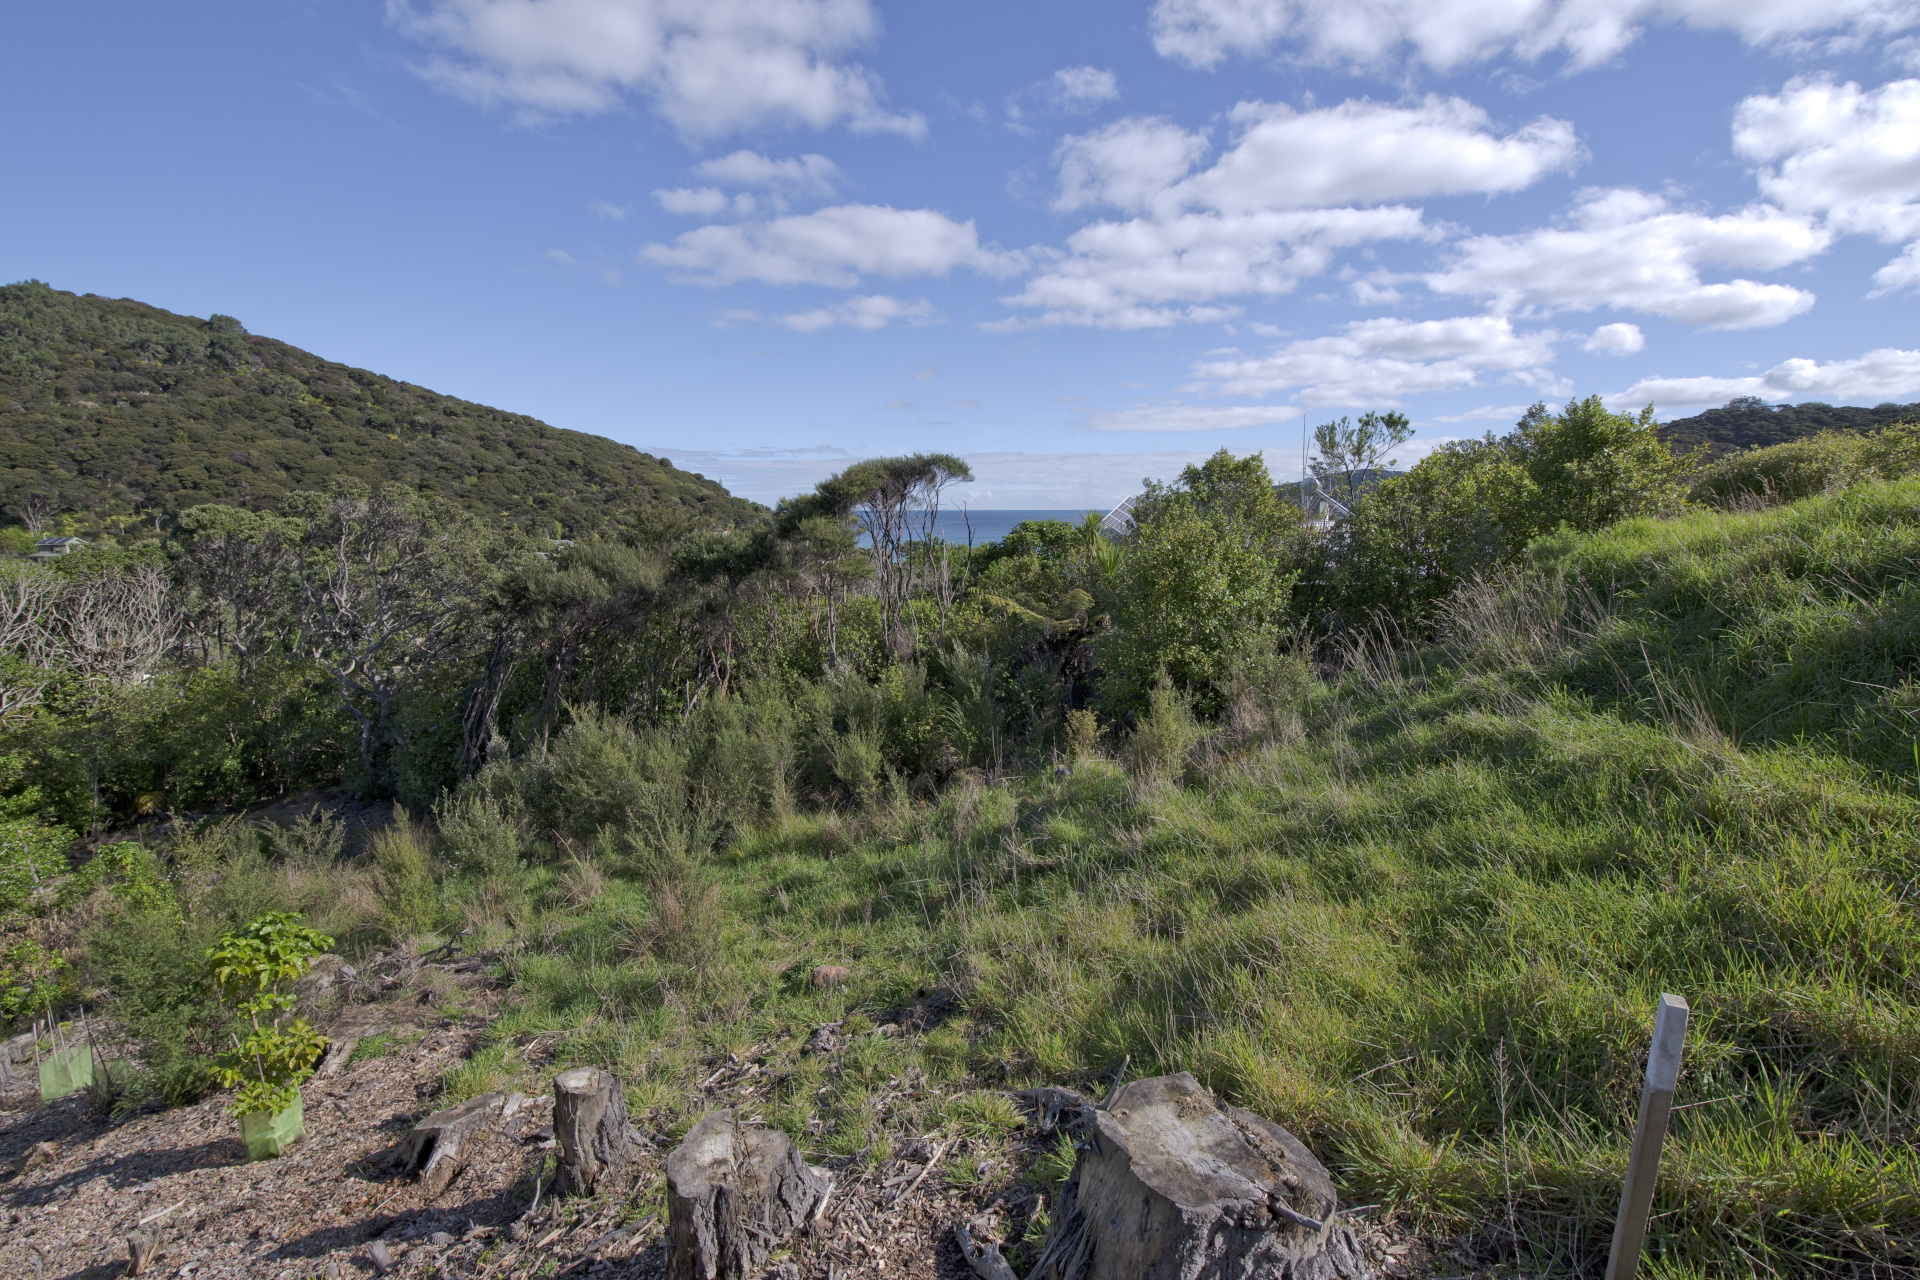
(1170, 1185)
(141, 1248)
(734, 1195)
(590, 1123)
(440, 1145)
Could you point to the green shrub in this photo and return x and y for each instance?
(409, 891)
(479, 832)
(1802, 468)
(1163, 735)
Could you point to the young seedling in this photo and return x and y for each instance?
(249, 967)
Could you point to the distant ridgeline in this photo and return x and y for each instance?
(1751, 422)
(108, 407)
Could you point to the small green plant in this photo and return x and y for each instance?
(248, 968)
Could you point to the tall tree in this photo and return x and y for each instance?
(1344, 450)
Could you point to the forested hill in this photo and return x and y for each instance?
(1752, 423)
(109, 407)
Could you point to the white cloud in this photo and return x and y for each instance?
(1851, 156)
(699, 202)
(1071, 90)
(1834, 150)
(1376, 362)
(710, 66)
(873, 311)
(1447, 34)
(833, 247)
(1291, 190)
(1078, 88)
(1130, 164)
(1485, 413)
(808, 175)
(1152, 272)
(608, 210)
(1902, 273)
(1615, 340)
(1184, 417)
(1885, 374)
(1629, 250)
(1364, 152)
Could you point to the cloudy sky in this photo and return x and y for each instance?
(1076, 243)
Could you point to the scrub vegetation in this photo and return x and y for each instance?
(1393, 831)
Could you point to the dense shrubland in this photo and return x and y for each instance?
(1392, 832)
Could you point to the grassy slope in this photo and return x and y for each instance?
(108, 406)
(1421, 917)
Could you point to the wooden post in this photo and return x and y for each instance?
(1649, 1135)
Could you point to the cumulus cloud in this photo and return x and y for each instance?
(1376, 362)
(1070, 90)
(808, 175)
(1850, 156)
(778, 182)
(1079, 88)
(1184, 417)
(1363, 152)
(1153, 272)
(835, 247)
(1447, 34)
(700, 202)
(1902, 273)
(873, 311)
(1615, 340)
(1885, 374)
(1130, 164)
(709, 66)
(1629, 250)
(1291, 190)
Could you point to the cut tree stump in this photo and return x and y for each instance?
(440, 1146)
(735, 1194)
(1171, 1185)
(141, 1248)
(590, 1123)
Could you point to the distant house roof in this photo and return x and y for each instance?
(48, 548)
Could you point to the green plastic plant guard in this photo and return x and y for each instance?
(66, 1070)
(270, 1133)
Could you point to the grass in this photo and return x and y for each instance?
(1473, 862)
(1421, 918)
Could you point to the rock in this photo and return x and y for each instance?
(735, 1194)
(1171, 1185)
(440, 1145)
(825, 1039)
(590, 1122)
(381, 1256)
(828, 976)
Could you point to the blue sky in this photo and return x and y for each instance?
(1076, 243)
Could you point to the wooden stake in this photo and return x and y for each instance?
(1649, 1135)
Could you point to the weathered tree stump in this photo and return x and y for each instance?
(590, 1123)
(440, 1145)
(1171, 1185)
(734, 1195)
(141, 1248)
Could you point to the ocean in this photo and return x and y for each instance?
(991, 526)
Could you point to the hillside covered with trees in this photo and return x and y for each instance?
(1752, 423)
(113, 412)
(1392, 830)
